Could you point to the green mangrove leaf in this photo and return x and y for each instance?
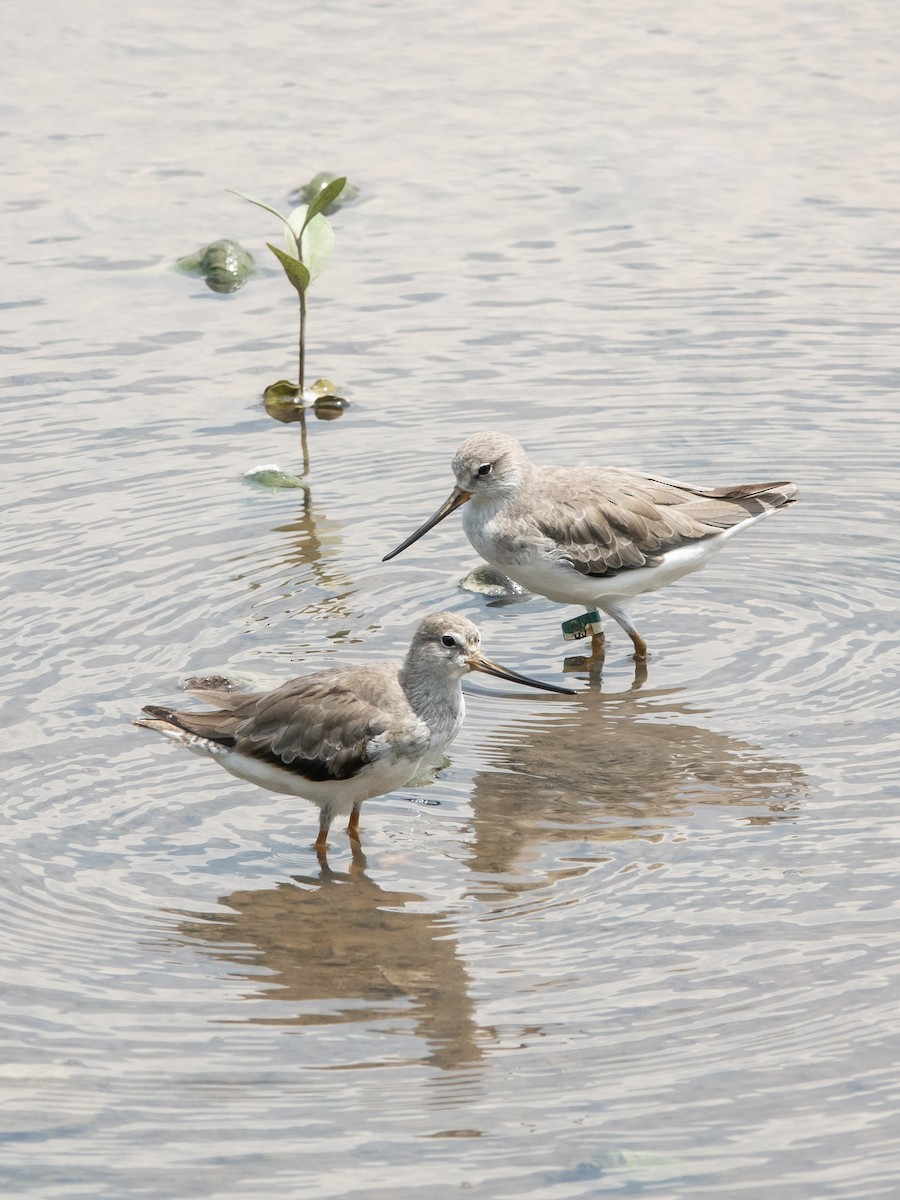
(225, 265)
(316, 245)
(284, 401)
(270, 475)
(296, 220)
(284, 411)
(309, 191)
(296, 272)
(219, 683)
(325, 196)
(260, 204)
(191, 262)
(322, 387)
(282, 391)
(486, 581)
(316, 239)
(291, 244)
(329, 408)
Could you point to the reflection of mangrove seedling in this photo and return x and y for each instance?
(285, 402)
(225, 265)
(308, 243)
(308, 192)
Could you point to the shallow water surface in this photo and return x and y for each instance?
(641, 940)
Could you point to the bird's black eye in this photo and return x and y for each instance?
(485, 468)
(448, 640)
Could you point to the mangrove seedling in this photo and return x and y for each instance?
(308, 243)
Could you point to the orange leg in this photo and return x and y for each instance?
(619, 613)
(640, 646)
(353, 824)
(325, 818)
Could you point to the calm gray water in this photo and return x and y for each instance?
(642, 941)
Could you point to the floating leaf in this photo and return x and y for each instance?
(225, 265)
(323, 387)
(293, 268)
(190, 262)
(217, 683)
(270, 475)
(284, 402)
(282, 390)
(487, 581)
(329, 408)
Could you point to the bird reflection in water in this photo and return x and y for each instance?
(336, 948)
(613, 767)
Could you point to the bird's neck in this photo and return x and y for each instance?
(437, 700)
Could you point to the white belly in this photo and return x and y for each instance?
(541, 571)
(375, 779)
(547, 576)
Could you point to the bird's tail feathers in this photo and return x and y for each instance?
(213, 727)
(777, 495)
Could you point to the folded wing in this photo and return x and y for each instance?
(321, 726)
(611, 521)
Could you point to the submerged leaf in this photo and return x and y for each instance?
(487, 581)
(224, 264)
(191, 262)
(218, 683)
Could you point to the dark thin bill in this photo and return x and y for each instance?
(456, 498)
(492, 668)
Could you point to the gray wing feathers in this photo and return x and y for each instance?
(217, 726)
(320, 725)
(323, 727)
(604, 522)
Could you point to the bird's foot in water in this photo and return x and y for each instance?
(593, 662)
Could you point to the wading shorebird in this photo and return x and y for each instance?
(597, 536)
(344, 735)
